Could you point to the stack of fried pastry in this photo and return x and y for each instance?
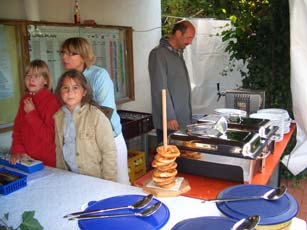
(165, 171)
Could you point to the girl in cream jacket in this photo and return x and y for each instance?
(84, 136)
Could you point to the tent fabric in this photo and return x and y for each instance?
(296, 161)
(206, 58)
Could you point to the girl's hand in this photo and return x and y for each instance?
(17, 157)
(28, 105)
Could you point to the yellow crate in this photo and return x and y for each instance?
(136, 165)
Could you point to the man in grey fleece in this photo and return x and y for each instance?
(167, 70)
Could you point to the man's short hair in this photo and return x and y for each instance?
(181, 26)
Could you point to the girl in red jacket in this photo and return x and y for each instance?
(33, 131)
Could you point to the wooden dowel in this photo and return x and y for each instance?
(164, 119)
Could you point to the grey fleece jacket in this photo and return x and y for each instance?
(167, 70)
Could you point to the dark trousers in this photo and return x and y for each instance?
(160, 134)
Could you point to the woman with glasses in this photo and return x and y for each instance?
(33, 130)
(77, 53)
(84, 137)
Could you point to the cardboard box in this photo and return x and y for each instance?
(136, 165)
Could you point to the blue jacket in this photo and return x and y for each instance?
(103, 93)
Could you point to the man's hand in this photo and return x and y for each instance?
(28, 105)
(172, 125)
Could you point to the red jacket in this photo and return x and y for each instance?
(33, 132)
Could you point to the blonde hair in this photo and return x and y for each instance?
(41, 68)
(82, 47)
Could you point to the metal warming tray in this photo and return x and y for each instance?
(263, 127)
(235, 142)
(235, 155)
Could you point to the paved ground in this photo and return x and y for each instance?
(299, 191)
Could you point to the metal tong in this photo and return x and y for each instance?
(137, 205)
(144, 213)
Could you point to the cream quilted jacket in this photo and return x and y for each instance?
(95, 146)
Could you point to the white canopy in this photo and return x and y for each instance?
(296, 161)
(206, 59)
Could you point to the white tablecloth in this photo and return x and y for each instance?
(53, 193)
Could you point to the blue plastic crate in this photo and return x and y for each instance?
(15, 185)
(27, 165)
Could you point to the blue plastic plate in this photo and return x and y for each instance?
(153, 222)
(205, 223)
(270, 212)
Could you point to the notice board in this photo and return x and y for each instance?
(24, 41)
(10, 70)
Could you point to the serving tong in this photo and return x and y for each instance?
(272, 194)
(135, 206)
(144, 213)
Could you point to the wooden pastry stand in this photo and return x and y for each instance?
(160, 192)
(209, 188)
(181, 186)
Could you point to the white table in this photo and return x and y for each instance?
(52, 193)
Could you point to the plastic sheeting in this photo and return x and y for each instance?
(206, 58)
(296, 161)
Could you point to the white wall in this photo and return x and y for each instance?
(144, 16)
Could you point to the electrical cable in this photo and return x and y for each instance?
(140, 31)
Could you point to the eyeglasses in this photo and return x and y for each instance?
(67, 53)
(75, 88)
(34, 76)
